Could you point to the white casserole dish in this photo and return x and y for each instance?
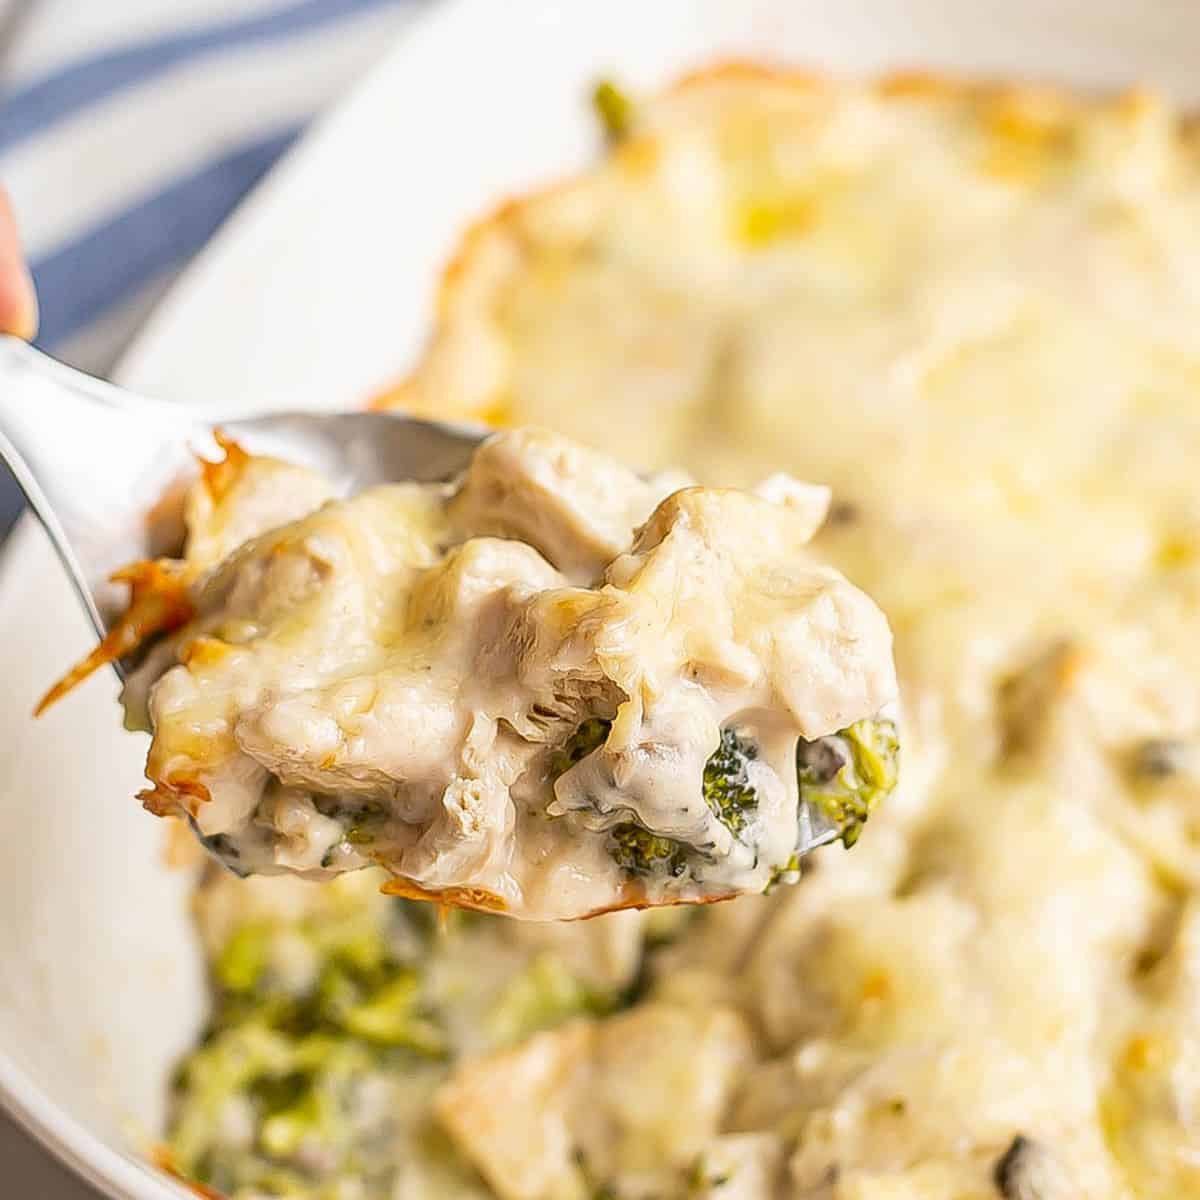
(316, 294)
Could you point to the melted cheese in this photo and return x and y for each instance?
(405, 678)
(975, 314)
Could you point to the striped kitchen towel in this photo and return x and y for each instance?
(130, 128)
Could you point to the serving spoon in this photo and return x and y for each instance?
(105, 469)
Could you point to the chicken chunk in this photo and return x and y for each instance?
(640, 1096)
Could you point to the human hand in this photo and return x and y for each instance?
(18, 302)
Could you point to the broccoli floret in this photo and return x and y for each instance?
(327, 1029)
(727, 789)
(614, 108)
(299, 1090)
(846, 774)
(641, 852)
(303, 1012)
(391, 1016)
(243, 960)
(635, 849)
(590, 736)
(545, 994)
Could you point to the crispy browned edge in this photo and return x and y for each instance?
(164, 1160)
(158, 603)
(481, 900)
(898, 84)
(158, 588)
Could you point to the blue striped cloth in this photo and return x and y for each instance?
(130, 128)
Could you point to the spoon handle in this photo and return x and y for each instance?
(84, 452)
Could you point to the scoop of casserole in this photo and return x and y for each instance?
(549, 688)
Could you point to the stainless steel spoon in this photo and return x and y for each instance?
(100, 465)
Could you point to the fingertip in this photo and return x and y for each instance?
(18, 301)
(18, 297)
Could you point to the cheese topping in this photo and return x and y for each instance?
(974, 312)
(550, 689)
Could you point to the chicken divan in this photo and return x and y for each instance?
(974, 313)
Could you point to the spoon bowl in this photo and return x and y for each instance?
(105, 470)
